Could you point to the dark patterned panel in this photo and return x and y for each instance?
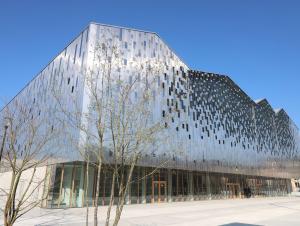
(219, 104)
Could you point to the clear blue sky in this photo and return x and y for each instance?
(256, 42)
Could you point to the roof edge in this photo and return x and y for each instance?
(256, 102)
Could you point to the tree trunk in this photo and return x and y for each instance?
(86, 191)
(111, 201)
(97, 194)
(10, 212)
(119, 208)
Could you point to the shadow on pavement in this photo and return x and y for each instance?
(239, 224)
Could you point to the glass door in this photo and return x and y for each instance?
(77, 186)
(159, 191)
(233, 190)
(155, 191)
(163, 191)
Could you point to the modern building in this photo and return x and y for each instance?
(230, 143)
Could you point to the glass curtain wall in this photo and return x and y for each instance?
(71, 186)
(200, 186)
(136, 186)
(67, 189)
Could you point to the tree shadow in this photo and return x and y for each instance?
(239, 224)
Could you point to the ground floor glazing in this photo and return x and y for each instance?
(70, 186)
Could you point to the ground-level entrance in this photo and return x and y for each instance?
(159, 191)
(233, 190)
(69, 188)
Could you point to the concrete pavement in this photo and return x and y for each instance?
(244, 212)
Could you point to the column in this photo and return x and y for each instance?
(289, 186)
(191, 187)
(169, 185)
(80, 197)
(207, 180)
(143, 173)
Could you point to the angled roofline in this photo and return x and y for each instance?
(52, 59)
(227, 78)
(255, 102)
(232, 83)
(145, 31)
(281, 110)
(229, 81)
(72, 40)
(263, 100)
(122, 27)
(278, 110)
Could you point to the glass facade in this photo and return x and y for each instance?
(213, 123)
(69, 186)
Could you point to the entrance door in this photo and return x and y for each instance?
(77, 186)
(159, 191)
(233, 190)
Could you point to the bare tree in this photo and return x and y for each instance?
(92, 121)
(121, 109)
(118, 127)
(27, 147)
(133, 134)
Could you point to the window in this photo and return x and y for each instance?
(74, 59)
(80, 45)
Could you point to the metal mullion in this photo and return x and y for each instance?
(72, 186)
(84, 184)
(49, 182)
(61, 182)
(152, 182)
(159, 186)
